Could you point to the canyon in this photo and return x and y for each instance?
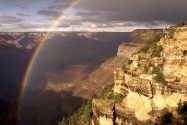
(60, 51)
(129, 65)
(149, 81)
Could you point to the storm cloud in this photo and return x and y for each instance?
(92, 14)
(139, 10)
(9, 19)
(50, 13)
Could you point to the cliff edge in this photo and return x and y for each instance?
(153, 80)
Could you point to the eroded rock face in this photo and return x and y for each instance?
(141, 105)
(145, 95)
(138, 39)
(175, 54)
(127, 49)
(141, 36)
(106, 112)
(124, 116)
(103, 112)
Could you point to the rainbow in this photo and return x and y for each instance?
(36, 53)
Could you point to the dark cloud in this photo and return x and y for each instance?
(20, 6)
(101, 19)
(68, 24)
(62, 1)
(49, 13)
(58, 7)
(139, 10)
(32, 25)
(93, 13)
(6, 19)
(93, 16)
(21, 15)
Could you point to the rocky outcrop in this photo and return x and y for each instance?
(138, 38)
(127, 49)
(141, 36)
(175, 55)
(146, 95)
(106, 112)
(136, 109)
(103, 112)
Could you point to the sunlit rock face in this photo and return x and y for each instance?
(138, 39)
(103, 112)
(145, 96)
(134, 100)
(175, 54)
(135, 108)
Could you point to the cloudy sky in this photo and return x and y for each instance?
(90, 15)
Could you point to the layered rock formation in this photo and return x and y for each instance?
(148, 90)
(138, 39)
(175, 53)
(22, 40)
(103, 115)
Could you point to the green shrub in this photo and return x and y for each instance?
(160, 48)
(184, 107)
(63, 122)
(119, 98)
(163, 112)
(180, 106)
(129, 61)
(150, 41)
(159, 75)
(155, 70)
(166, 116)
(180, 24)
(83, 111)
(107, 92)
(144, 49)
(102, 95)
(156, 50)
(146, 68)
(157, 38)
(87, 115)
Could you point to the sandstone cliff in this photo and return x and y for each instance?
(153, 78)
(138, 39)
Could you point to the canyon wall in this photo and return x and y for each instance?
(138, 39)
(146, 96)
(89, 84)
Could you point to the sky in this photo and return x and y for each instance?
(90, 15)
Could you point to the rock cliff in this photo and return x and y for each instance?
(21, 40)
(138, 39)
(153, 78)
